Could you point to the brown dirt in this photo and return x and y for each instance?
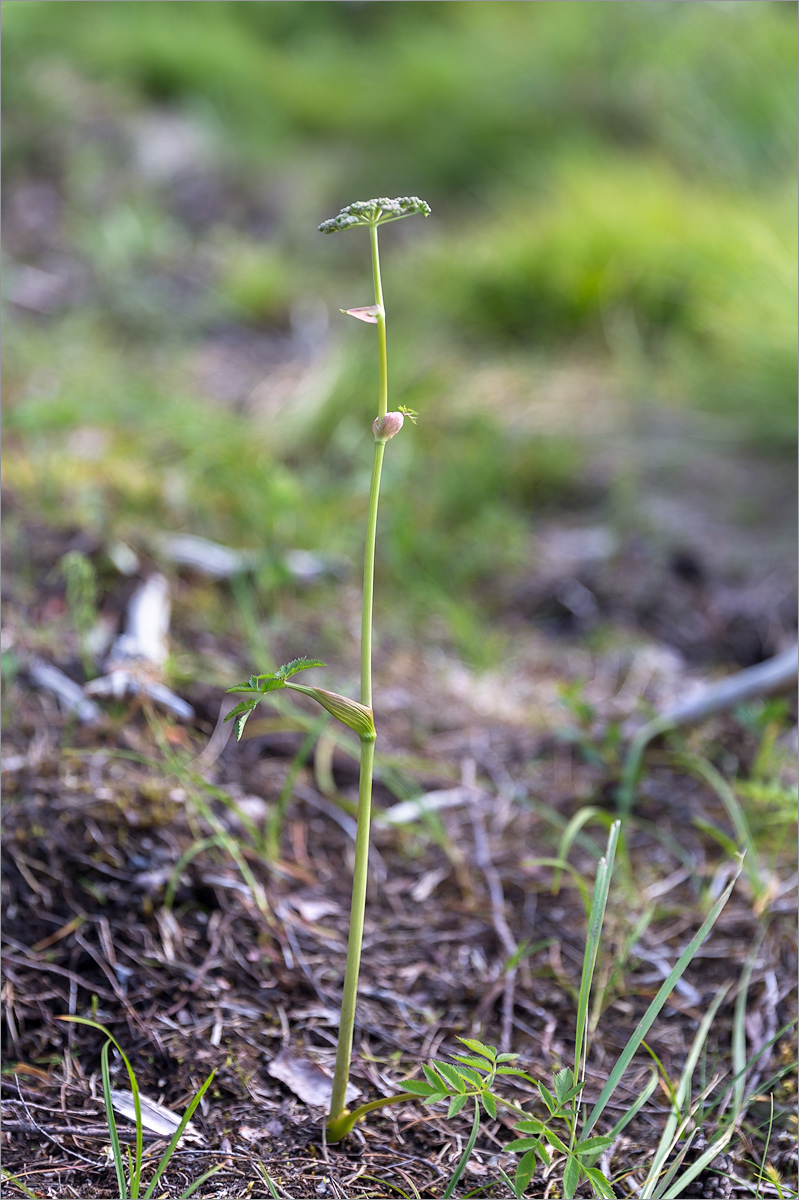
(98, 818)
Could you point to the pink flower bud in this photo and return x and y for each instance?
(385, 428)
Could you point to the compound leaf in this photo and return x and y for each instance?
(298, 664)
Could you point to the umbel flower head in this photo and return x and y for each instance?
(375, 212)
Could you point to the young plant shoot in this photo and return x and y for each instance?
(357, 715)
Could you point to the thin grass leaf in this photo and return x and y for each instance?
(506, 1179)
(199, 1182)
(739, 1030)
(764, 1162)
(270, 1183)
(110, 1117)
(636, 1106)
(631, 1112)
(177, 1135)
(386, 1183)
(184, 860)
(561, 865)
(18, 1183)
(469, 1147)
(645, 1024)
(664, 1076)
(596, 918)
(580, 818)
(706, 772)
(679, 1185)
(135, 1166)
(682, 1095)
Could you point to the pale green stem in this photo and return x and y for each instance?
(347, 1024)
(359, 878)
(382, 397)
(369, 576)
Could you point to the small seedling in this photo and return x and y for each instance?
(355, 714)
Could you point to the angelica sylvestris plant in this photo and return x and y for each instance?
(355, 714)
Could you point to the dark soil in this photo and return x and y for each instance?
(98, 818)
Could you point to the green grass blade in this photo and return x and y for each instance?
(177, 1136)
(199, 1182)
(646, 1022)
(739, 1031)
(678, 1186)
(632, 1111)
(596, 917)
(467, 1153)
(18, 1183)
(635, 757)
(270, 1183)
(580, 818)
(560, 866)
(184, 860)
(135, 1175)
(110, 1117)
(709, 775)
(677, 1116)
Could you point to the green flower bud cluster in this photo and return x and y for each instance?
(375, 212)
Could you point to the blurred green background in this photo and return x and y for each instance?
(613, 238)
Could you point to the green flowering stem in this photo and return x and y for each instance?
(382, 395)
(349, 997)
(369, 575)
(370, 213)
(360, 870)
(356, 715)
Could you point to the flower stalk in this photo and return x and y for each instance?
(357, 716)
(386, 426)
